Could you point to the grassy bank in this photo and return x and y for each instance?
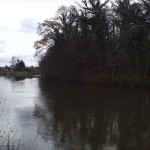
(17, 73)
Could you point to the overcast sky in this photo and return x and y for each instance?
(18, 23)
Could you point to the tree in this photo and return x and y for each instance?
(17, 64)
(96, 38)
(13, 62)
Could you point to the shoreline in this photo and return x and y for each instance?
(88, 79)
(103, 80)
(16, 73)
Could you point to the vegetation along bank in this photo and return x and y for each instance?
(97, 42)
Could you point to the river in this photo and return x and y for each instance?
(40, 116)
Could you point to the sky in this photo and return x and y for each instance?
(18, 24)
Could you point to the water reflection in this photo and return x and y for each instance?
(18, 78)
(93, 118)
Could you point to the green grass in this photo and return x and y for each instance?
(17, 73)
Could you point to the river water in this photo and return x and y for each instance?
(54, 116)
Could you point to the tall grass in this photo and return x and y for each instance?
(7, 133)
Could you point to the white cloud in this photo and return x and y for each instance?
(18, 25)
(28, 25)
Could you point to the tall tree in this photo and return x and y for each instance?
(96, 38)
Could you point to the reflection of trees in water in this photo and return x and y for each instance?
(94, 118)
(16, 78)
(45, 125)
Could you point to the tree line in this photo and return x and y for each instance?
(17, 64)
(95, 37)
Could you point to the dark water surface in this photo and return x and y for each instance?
(74, 117)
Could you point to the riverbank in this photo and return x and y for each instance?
(118, 81)
(16, 73)
(102, 79)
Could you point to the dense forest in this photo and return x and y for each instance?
(96, 41)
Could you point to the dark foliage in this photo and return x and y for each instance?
(20, 65)
(96, 37)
